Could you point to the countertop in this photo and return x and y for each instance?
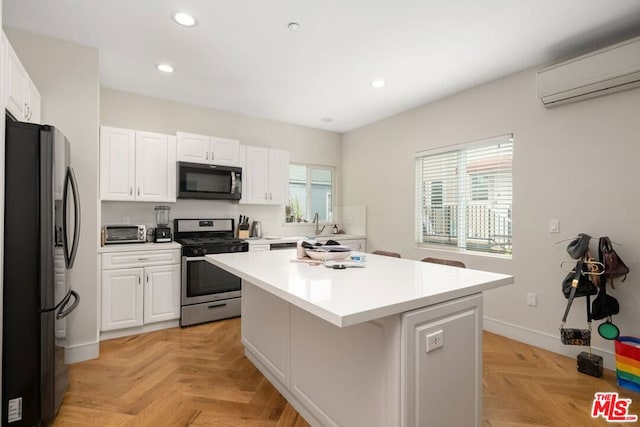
(129, 247)
(386, 286)
(291, 239)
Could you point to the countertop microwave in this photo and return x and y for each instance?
(213, 182)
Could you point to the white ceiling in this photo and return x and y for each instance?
(243, 58)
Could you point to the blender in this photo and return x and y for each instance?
(162, 232)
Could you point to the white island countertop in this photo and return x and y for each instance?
(386, 286)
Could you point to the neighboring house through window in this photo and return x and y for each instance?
(464, 196)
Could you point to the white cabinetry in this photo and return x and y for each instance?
(22, 97)
(359, 245)
(137, 165)
(34, 102)
(385, 371)
(258, 247)
(208, 149)
(139, 288)
(265, 176)
(454, 363)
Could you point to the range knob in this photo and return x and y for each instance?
(198, 251)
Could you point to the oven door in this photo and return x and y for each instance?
(205, 282)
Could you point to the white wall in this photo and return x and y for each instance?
(577, 163)
(66, 75)
(305, 145)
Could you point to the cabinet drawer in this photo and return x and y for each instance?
(139, 259)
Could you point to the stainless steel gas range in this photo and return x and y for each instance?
(208, 292)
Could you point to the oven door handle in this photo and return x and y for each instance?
(224, 304)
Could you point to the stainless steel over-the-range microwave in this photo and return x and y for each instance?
(200, 181)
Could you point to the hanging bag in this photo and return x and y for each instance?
(614, 267)
(584, 285)
(579, 246)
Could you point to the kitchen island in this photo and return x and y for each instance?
(396, 343)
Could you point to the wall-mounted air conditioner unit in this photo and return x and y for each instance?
(604, 71)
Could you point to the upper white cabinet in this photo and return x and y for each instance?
(209, 150)
(265, 176)
(22, 96)
(137, 165)
(34, 102)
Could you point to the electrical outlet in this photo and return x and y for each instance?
(554, 226)
(531, 299)
(435, 340)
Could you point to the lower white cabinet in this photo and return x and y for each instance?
(258, 247)
(146, 291)
(403, 370)
(359, 245)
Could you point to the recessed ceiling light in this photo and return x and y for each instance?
(378, 83)
(326, 119)
(185, 19)
(165, 68)
(293, 26)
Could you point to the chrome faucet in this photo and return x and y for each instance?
(316, 222)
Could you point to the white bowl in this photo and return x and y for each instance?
(326, 256)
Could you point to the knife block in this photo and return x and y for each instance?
(243, 231)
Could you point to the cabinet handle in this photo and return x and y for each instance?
(212, 157)
(206, 155)
(147, 278)
(131, 191)
(270, 196)
(139, 280)
(143, 259)
(265, 196)
(138, 191)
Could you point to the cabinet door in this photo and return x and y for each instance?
(193, 148)
(162, 293)
(225, 151)
(155, 167)
(16, 84)
(33, 102)
(442, 344)
(122, 292)
(278, 177)
(256, 175)
(117, 163)
(359, 245)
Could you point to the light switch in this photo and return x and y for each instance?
(435, 340)
(554, 226)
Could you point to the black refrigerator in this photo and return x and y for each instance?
(41, 226)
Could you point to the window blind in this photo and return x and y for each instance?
(464, 196)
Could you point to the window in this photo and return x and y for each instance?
(310, 191)
(464, 196)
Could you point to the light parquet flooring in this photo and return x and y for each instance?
(198, 376)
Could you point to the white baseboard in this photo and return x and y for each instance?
(119, 333)
(544, 340)
(81, 352)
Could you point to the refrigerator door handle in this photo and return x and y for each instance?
(63, 311)
(70, 181)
